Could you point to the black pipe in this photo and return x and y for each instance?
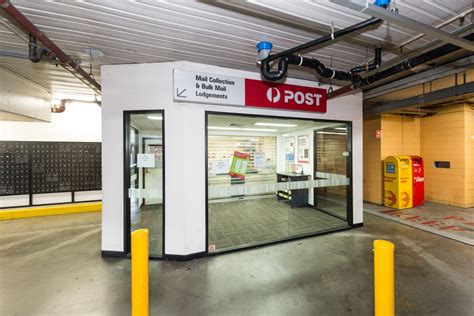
(322, 70)
(284, 55)
(276, 74)
(415, 61)
(34, 54)
(369, 67)
(356, 27)
(405, 65)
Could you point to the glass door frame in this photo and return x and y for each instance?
(349, 197)
(127, 182)
(350, 206)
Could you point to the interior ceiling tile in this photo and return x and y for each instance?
(205, 32)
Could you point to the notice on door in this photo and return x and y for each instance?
(199, 87)
(145, 160)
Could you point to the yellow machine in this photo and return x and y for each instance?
(397, 175)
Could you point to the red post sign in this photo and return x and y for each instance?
(418, 181)
(284, 96)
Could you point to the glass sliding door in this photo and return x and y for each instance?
(261, 177)
(144, 203)
(333, 158)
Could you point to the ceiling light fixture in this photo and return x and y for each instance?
(275, 124)
(224, 128)
(242, 129)
(154, 117)
(331, 133)
(340, 128)
(259, 130)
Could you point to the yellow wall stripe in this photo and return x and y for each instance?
(50, 210)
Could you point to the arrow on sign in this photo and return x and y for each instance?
(391, 197)
(406, 199)
(180, 94)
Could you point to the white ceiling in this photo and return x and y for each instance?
(142, 122)
(222, 33)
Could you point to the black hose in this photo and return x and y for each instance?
(320, 68)
(351, 29)
(34, 54)
(415, 61)
(369, 67)
(276, 74)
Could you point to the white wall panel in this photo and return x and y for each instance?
(81, 196)
(14, 200)
(21, 96)
(79, 123)
(49, 198)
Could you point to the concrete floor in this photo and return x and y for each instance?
(52, 266)
(449, 221)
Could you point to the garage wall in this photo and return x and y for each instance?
(21, 99)
(400, 136)
(469, 139)
(445, 137)
(79, 123)
(372, 161)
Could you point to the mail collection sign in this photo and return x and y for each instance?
(197, 87)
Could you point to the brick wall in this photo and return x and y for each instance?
(469, 163)
(372, 161)
(446, 136)
(400, 136)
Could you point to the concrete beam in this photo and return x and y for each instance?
(466, 89)
(422, 77)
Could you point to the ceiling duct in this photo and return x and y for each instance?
(407, 64)
(287, 57)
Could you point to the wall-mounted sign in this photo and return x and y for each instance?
(220, 166)
(199, 87)
(259, 160)
(303, 149)
(284, 96)
(378, 133)
(146, 160)
(290, 149)
(239, 164)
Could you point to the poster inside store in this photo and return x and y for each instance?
(303, 149)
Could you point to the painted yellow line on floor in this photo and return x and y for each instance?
(50, 210)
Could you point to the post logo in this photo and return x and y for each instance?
(285, 96)
(273, 95)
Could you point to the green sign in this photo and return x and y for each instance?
(238, 166)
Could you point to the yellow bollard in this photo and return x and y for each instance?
(384, 285)
(140, 272)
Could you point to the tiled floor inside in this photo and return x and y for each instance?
(448, 221)
(150, 217)
(247, 222)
